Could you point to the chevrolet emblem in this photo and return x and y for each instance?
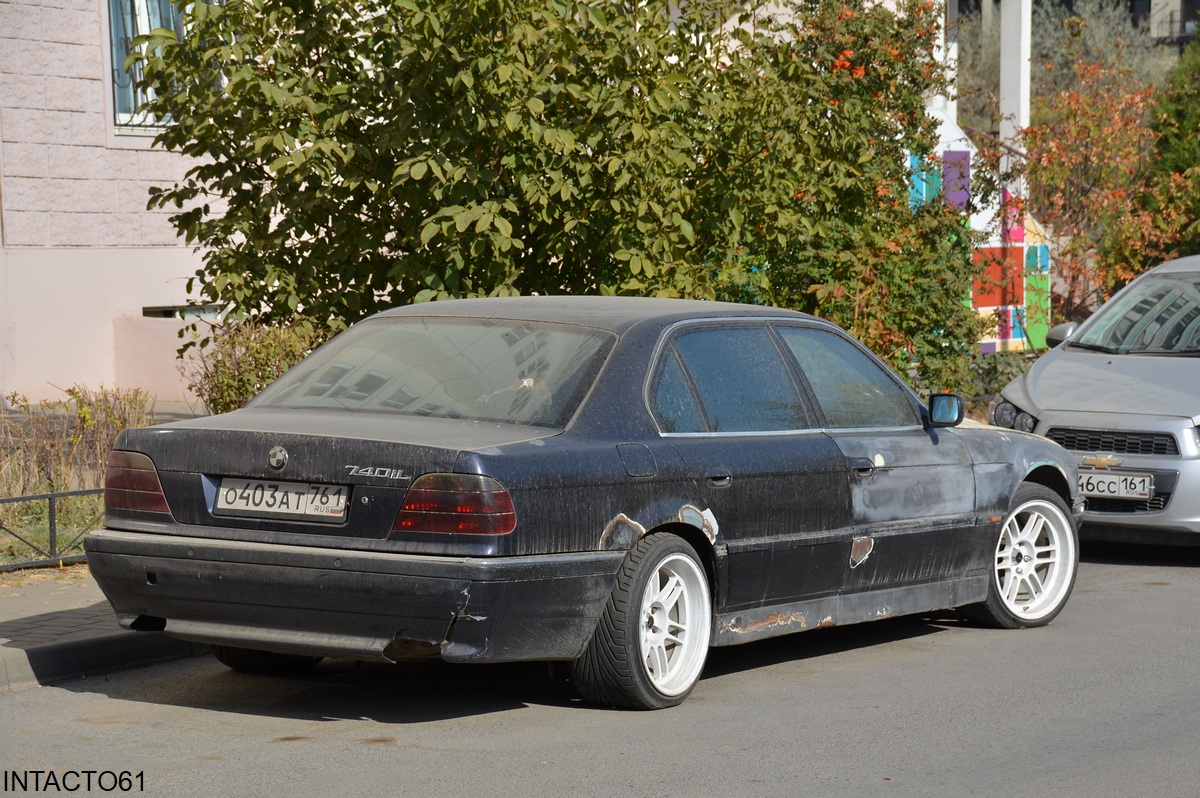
(1101, 461)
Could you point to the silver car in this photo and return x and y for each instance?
(1122, 392)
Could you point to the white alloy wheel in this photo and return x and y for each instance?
(1036, 559)
(650, 644)
(675, 624)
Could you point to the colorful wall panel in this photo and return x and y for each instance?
(1014, 289)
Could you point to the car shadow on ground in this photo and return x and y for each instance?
(431, 691)
(826, 642)
(1145, 554)
(425, 692)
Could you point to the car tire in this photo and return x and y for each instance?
(652, 640)
(249, 660)
(1034, 563)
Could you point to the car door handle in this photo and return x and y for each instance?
(719, 476)
(863, 467)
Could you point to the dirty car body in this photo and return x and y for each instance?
(1123, 395)
(613, 483)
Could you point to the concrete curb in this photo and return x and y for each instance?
(57, 625)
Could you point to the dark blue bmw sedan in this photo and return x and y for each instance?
(613, 483)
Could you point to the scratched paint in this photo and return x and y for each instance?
(860, 550)
(621, 533)
(702, 519)
(792, 621)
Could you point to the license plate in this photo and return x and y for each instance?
(1116, 486)
(263, 498)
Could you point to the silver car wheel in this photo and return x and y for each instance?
(675, 624)
(650, 645)
(1035, 560)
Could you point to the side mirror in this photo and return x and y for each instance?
(1059, 334)
(946, 410)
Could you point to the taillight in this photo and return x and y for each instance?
(131, 483)
(457, 503)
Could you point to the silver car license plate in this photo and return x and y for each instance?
(1112, 485)
(269, 499)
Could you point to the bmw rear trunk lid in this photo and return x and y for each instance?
(299, 472)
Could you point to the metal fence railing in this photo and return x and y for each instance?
(51, 552)
(1179, 25)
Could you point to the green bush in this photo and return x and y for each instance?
(238, 358)
(990, 372)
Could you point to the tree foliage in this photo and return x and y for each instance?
(1108, 26)
(1091, 179)
(1062, 31)
(237, 358)
(352, 156)
(1176, 120)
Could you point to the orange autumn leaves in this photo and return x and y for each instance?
(1091, 183)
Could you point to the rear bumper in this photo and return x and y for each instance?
(351, 604)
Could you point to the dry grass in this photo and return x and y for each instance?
(64, 574)
(55, 446)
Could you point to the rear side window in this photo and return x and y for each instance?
(727, 379)
(675, 401)
(479, 369)
(852, 389)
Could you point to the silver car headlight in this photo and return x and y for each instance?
(1003, 413)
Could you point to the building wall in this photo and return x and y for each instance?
(66, 307)
(1169, 19)
(78, 249)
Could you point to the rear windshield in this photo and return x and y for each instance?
(480, 369)
(1155, 315)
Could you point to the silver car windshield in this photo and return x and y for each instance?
(1157, 315)
(479, 369)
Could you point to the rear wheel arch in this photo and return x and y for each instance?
(700, 542)
(710, 554)
(623, 533)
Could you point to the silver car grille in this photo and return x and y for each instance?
(1088, 440)
(1155, 504)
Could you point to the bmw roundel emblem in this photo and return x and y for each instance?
(277, 458)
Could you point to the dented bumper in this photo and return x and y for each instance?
(353, 604)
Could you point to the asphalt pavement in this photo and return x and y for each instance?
(55, 624)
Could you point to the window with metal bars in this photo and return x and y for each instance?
(127, 20)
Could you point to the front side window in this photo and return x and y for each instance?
(1157, 315)
(738, 378)
(852, 389)
(478, 369)
(128, 19)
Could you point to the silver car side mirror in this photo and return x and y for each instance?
(1059, 333)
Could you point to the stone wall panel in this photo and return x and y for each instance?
(73, 94)
(70, 26)
(26, 160)
(22, 91)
